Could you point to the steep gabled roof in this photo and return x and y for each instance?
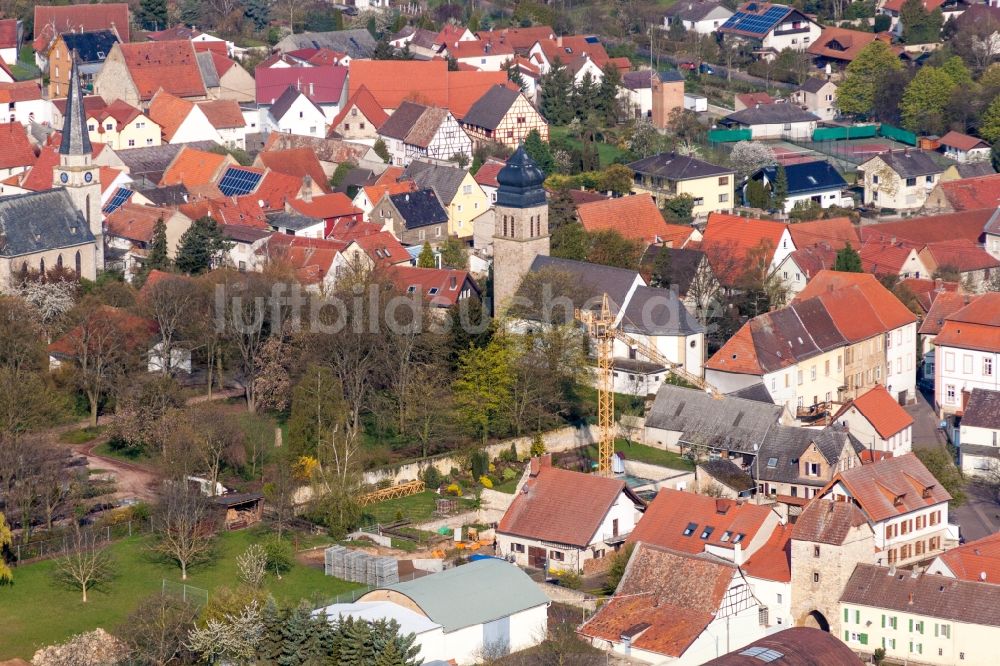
(92, 46)
(419, 208)
(40, 221)
(445, 180)
(298, 162)
(635, 217)
(926, 292)
(891, 313)
(825, 521)
(172, 66)
(223, 113)
(677, 167)
(169, 112)
(773, 560)
(974, 326)
(51, 20)
(835, 232)
(977, 560)
(963, 142)
(322, 85)
(441, 287)
(367, 105)
(136, 222)
(909, 163)
(192, 167)
(932, 228)
(891, 487)
(962, 255)
(841, 43)
(17, 149)
(490, 109)
(283, 104)
(655, 311)
(972, 193)
(881, 410)
(728, 240)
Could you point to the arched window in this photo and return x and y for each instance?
(59, 263)
(41, 266)
(79, 261)
(88, 210)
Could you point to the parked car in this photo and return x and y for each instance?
(688, 65)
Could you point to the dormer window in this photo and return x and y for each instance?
(898, 500)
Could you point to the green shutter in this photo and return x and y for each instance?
(883, 624)
(920, 627)
(863, 638)
(847, 635)
(920, 648)
(883, 642)
(911, 631)
(847, 615)
(857, 617)
(936, 629)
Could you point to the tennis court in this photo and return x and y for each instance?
(847, 154)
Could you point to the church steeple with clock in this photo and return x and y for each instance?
(76, 171)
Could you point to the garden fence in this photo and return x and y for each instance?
(188, 593)
(39, 549)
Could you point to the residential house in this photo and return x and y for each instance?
(419, 42)
(751, 100)
(90, 49)
(329, 152)
(560, 519)
(413, 217)
(771, 28)
(798, 645)
(294, 113)
(121, 126)
(426, 82)
(690, 274)
(146, 165)
(828, 540)
(964, 148)
(438, 287)
(944, 305)
(505, 116)
(456, 189)
(980, 435)
(704, 17)
(878, 421)
(203, 42)
(899, 180)
(227, 119)
(245, 245)
(973, 561)
(521, 39)
(180, 120)
(365, 253)
(684, 522)
(964, 194)
(296, 162)
(903, 502)
(360, 119)
(818, 97)
(333, 209)
(311, 258)
(816, 246)
(224, 77)
(135, 72)
(808, 182)
(130, 229)
(415, 131)
(390, 182)
(11, 38)
(485, 56)
(836, 47)
(687, 419)
(18, 154)
(677, 608)
(192, 167)
(458, 614)
(635, 217)
(323, 86)
(24, 104)
(667, 175)
(774, 121)
(901, 259)
(967, 353)
(134, 335)
(579, 54)
(636, 92)
(53, 20)
(486, 177)
(931, 229)
(721, 477)
(926, 291)
(794, 464)
(920, 617)
(964, 261)
(768, 571)
(735, 245)
(355, 42)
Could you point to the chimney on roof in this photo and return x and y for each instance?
(559, 41)
(453, 282)
(737, 554)
(910, 602)
(307, 190)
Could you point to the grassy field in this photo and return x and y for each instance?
(647, 454)
(605, 151)
(419, 507)
(35, 611)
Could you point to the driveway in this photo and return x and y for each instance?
(980, 515)
(925, 424)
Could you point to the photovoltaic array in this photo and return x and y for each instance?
(120, 196)
(757, 24)
(236, 182)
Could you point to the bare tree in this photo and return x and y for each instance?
(86, 563)
(184, 524)
(169, 302)
(157, 630)
(141, 411)
(215, 440)
(21, 348)
(252, 565)
(279, 490)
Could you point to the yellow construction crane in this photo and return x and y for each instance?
(601, 327)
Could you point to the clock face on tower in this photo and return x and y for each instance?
(64, 177)
(88, 176)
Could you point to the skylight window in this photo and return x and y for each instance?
(412, 288)
(689, 530)
(707, 533)
(432, 291)
(767, 655)
(738, 537)
(772, 462)
(726, 535)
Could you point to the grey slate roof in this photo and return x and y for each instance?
(684, 264)
(813, 84)
(983, 410)
(356, 178)
(40, 221)
(473, 594)
(168, 195)
(293, 221)
(727, 472)
(638, 80)
(284, 103)
(402, 120)
(694, 11)
(149, 162)
(490, 109)
(654, 311)
(90, 46)
(926, 594)
(419, 209)
(667, 75)
(974, 169)
(208, 72)
(729, 423)
(592, 280)
(444, 180)
(677, 167)
(911, 163)
(771, 114)
(756, 392)
(357, 43)
(75, 138)
(785, 444)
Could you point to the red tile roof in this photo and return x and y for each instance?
(635, 217)
(8, 33)
(881, 410)
(169, 112)
(773, 560)
(962, 142)
(379, 189)
(977, 560)
(664, 602)
(729, 239)
(962, 255)
(195, 167)
(120, 110)
(932, 228)
(891, 487)
(366, 104)
(17, 149)
(171, 65)
(896, 5)
(943, 306)
(750, 100)
(383, 248)
(841, 43)
(520, 38)
(568, 47)
(737, 355)
(815, 258)
(136, 222)
(880, 258)
(927, 291)
(487, 174)
(427, 82)
(310, 258)
(835, 232)
(322, 85)
(478, 49)
(465, 89)
(560, 506)
(52, 20)
(824, 521)
(239, 211)
(296, 162)
(223, 113)
(21, 91)
(441, 287)
(348, 229)
(975, 326)
(326, 206)
(891, 313)
(222, 62)
(276, 189)
(668, 516)
(39, 176)
(972, 193)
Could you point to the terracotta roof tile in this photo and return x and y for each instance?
(322, 85)
(561, 506)
(17, 149)
(441, 287)
(882, 411)
(635, 217)
(310, 258)
(136, 222)
(170, 65)
(891, 487)
(835, 232)
(21, 91)
(366, 104)
(466, 88)
(975, 559)
(734, 237)
(824, 521)
(393, 82)
(841, 43)
(8, 33)
(932, 228)
(737, 355)
(296, 162)
(891, 313)
(52, 20)
(962, 255)
(223, 113)
(487, 174)
(521, 39)
(326, 206)
(961, 141)
(670, 514)
(753, 99)
(135, 331)
(943, 306)
(896, 5)
(974, 326)
(236, 211)
(195, 167)
(972, 193)
(169, 112)
(926, 291)
(383, 248)
(276, 189)
(773, 560)
(880, 258)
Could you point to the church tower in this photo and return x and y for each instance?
(76, 171)
(521, 226)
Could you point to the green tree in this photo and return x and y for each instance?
(382, 150)
(152, 14)
(383, 49)
(157, 258)
(258, 11)
(317, 408)
(856, 94)
(484, 384)
(570, 241)
(848, 260)
(426, 258)
(557, 93)
(610, 248)
(540, 152)
(454, 254)
(341, 172)
(779, 191)
(925, 99)
(939, 463)
(201, 247)
(617, 569)
(617, 178)
(663, 272)
(919, 25)
(191, 12)
(6, 539)
(756, 195)
(989, 126)
(514, 75)
(584, 95)
(607, 103)
(957, 70)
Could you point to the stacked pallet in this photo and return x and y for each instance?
(360, 567)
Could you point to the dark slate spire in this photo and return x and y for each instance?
(520, 182)
(75, 139)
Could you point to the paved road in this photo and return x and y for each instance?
(925, 424)
(720, 71)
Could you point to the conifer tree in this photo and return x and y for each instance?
(426, 258)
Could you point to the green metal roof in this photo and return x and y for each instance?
(474, 593)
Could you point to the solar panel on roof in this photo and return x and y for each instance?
(120, 196)
(236, 182)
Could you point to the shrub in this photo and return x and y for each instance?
(454, 489)
(432, 477)
(280, 556)
(492, 467)
(537, 445)
(570, 579)
(454, 473)
(510, 455)
(480, 463)
(508, 473)
(485, 481)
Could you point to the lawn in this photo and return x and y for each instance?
(35, 612)
(81, 435)
(607, 152)
(417, 508)
(646, 454)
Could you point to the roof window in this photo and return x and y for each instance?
(707, 533)
(689, 530)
